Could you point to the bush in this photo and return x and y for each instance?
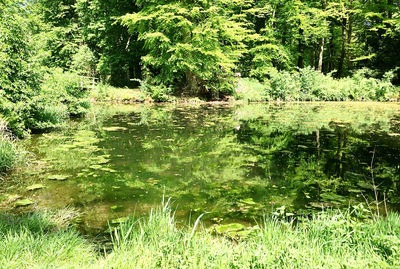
(65, 88)
(43, 240)
(159, 93)
(10, 154)
(84, 62)
(107, 93)
(59, 97)
(251, 90)
(47, 115)
(310, 85)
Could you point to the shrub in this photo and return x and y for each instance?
(251, 90)
(159, 93)
(107, 93)
(47, 115)
(284, 86)
(310, 85)
(43, 240)
(84, 62)
(65, 88)
(10, 154)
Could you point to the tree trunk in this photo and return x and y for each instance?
(330, 52)
(316, 56)
(300, 61)
(192, 83)
(318, 144)
(321, 49)
(321, 54)
(390, 4)
(312, 53)
(349, 35)
(273, 19)
(343, 53)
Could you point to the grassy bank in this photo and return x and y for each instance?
(310, 85)
(10, 153)
(329, 240)
(109, 94)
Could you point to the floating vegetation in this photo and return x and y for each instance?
(119, 220)
(283, 158)
(35, 187)
(12, 197)
(58, 177)
(235, 230)
(114, 128)
(117, 208)
(24, 202)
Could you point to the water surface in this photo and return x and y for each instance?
(236, 162)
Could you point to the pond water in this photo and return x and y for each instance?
(236, 162)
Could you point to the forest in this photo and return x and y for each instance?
(199, 134)
(298, 50)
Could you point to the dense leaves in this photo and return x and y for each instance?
(192, 48)
(192, 44)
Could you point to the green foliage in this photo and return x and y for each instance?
(190, 45)
(331, 239)
(10, 153)
(43, 240)
(106, 93)
(58, 31)
(159, 93)
(24, 103)
(65, 88)
(84, 61)
(18, 77)
(251, 90)
(117, 51)
(311, 85)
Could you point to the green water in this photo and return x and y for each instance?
(236, 162)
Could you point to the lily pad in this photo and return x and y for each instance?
(96, 166)
(114, 128)
(117, 208)
(58, 177)
(235, 230)
(119, 220)
(248, 201)
(13, 197)
(35, 187)
(107, 169)
(229, 228)
(24, 202)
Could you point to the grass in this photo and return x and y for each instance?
(10, 154)
(331, 239)
(251, 90)
(110, 94)
(42, 240)
(310, 85)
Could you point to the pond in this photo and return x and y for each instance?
(235, 162)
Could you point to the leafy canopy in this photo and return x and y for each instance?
(189, 44)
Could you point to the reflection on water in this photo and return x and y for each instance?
(235, 162)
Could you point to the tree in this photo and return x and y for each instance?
(117, 51)
(191, 45)
(19, 80)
